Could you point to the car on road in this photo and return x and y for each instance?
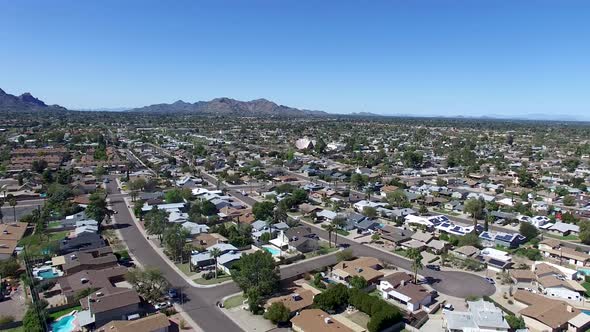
(490, 280)
(244, 193)
(433, 267)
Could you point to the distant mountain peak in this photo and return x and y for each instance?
(230, 107)
(23, 103)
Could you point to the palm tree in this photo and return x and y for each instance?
(338, 222)
(330, 228)
(416, 257)
(12, 202)
(215, 253)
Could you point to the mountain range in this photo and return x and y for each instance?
(24, 103)
(228, 106)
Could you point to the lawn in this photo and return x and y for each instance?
(36, 243)
(234, 301)
(212, 281)
(566, 238)
(57, 314)
(324, 250)
(587, 286)
(185, 269)
(401, 252)
(342, 232)
(15, 329)
(359, 318)
(54, 224)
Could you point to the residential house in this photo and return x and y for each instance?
(206, 240)
(10, 234)
(394, 234)
(152, 323)
(523, 278)
(72, 284)
(94, 259)
(554, 249)
(563, 229)
(497, 260)
(317, 320)
(466, 252)
(85, 241)
(398, 287)
(299, 299)
(366, 267)
(544, 314)
(110, 303)
(493, 239)
(481, 316)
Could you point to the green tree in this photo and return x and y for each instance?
(569, 200)
(215, 253)
(416, 257)
(173, 196)
(332, 298)
(398, 199)
(33, 320)
(265, 237)
(174, 239)
(528, 230)
(475, 208)
(277, 313)
(263, 210)
(149, 283)
(156, 222)
(97, 208)
(358, 282)
(516, 323)
(330, 228)
(256, 271)
(358, 181)
(584, 231)
(369, 212)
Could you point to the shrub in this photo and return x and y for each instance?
(277, 313)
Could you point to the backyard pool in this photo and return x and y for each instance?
(64, 324)
(46, 272)
(273, 251)
(585, 272)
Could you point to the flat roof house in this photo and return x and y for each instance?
(10, 234)
(316, 320)
(481, 316)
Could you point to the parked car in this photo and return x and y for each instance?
(490, 280)
(162, 305)
(448, 307)
(433, 267)
(173, 293)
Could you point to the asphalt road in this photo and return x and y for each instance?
(199, 302)
(22, 209)
(453, 283)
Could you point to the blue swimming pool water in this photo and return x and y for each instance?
(47, 274)
(585, 272)
(273, 251)
(64, 324)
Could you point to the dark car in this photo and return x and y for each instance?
(172, 293)
(433, 267)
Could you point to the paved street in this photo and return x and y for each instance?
(200, 302)
(454, 283)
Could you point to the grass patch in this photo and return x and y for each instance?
(212, 281)
(359, 318)
(234, 301)
(185, 269)
(15, 329)
(42, 244)
(586, 285)
(559, 237)
(400, 251)
(55, 315)
(324, 250)
(54, 224)
(342, 232)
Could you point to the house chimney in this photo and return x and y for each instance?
(403, 282)
(327, 320)
(569, 308)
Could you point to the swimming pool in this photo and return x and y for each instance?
(64, 324)
(48, 274)
(273, 251)
(585, 272)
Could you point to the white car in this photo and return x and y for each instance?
(162, 305)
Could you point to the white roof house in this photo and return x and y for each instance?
(562, 227)
(482, 316)
(281, 240)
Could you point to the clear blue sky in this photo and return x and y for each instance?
(389, 57)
